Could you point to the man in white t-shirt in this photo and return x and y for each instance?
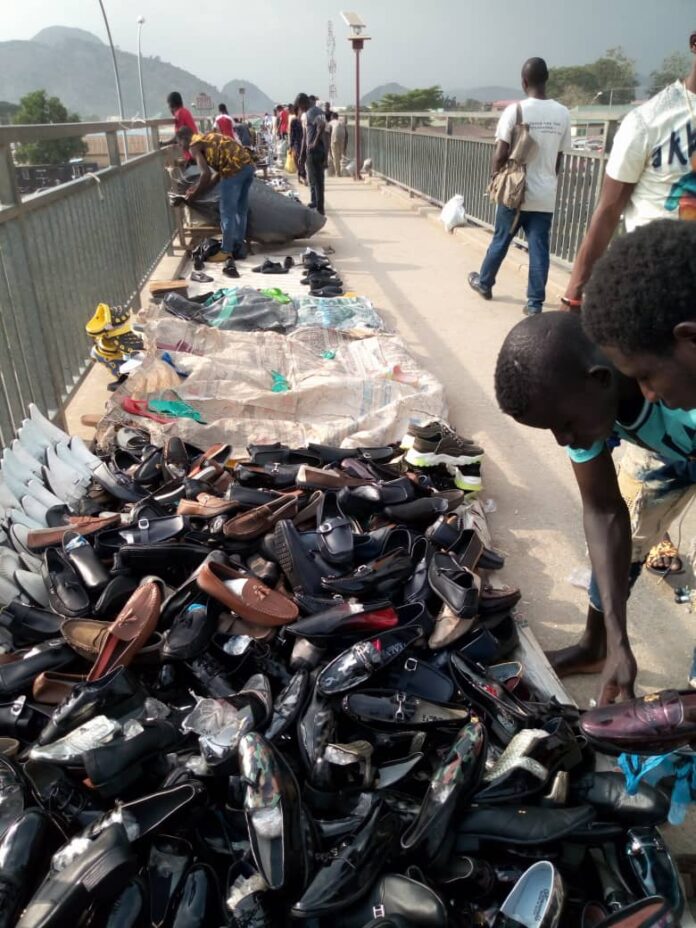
(651, 174)
(549, 127)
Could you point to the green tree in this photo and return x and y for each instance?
(672, 68)
(38, 108)
(7, 111)
(415, 101)
(610, 79)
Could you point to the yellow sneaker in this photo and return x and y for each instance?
(99, 321)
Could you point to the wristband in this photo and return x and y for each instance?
(571, 304)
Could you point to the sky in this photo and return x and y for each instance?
(281, 46)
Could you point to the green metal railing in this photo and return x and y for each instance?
(65, 249)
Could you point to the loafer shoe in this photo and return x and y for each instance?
(606, 792)
(303, 567)
(356, 665)
(69, 750)
(654, 724)
(646, 913)
(25, 852)
(130, 630)
(66, 594)
(115, 766)
(396, 708)
(378, 579)
(250, 599)
(192, 629)
(29, 625)
(536, 900)
(64, 797)
(259, 521)
(456, 585)
(18, 676)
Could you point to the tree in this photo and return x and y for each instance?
(672, 68)
(37, 108)
(7, 111)
(616, 76)
(415, 101)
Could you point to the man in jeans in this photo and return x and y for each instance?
(315, 124)
(549, 127)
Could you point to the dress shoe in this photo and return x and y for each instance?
(288, 705)
(304, 568)
(84, 560)
(536, 900)
(198, 904)
(66, 594)
(247, 899)
(647, 913)
(114, 596)
(652, 867)
(69, 750)
(99, 873)
(654, 724)
(86, 637)
(352, 871)
(455, 584)
(606, 792)
(272, 809)
(379, 579)
(130, 630)
(506, 714)
(13, 793)
(18, 676)
(334, 531)
(211, 677)
(246, 596)
(127, 910)
(29, 625)
(396, 895)
(521, 825)
(270, 476)
(356, 665)
(44, 538)
(316, 728)
(191, 629)
(115, 766)
(257, 522)
(346, 618)
(58, 793)
(25, 850)
(117, 694)
(207, 506)
(453, 782)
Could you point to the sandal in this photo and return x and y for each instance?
(664, 559)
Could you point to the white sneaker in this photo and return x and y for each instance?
(33, 585)
(18, 535)
(47, 427)
(8, 591)
(33, 439)
(81, 452)
(19, 517)
(35, 510)
(44, 496)
(64, 454)
(22, 458)
(7, 498)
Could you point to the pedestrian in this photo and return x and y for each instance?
(223, 160)
(182, 117)
(549, 127)
(295, 141)
(282, 123)
(650, 174)
(241, 131)
(339, 141)
(314, 149)
(223, 122)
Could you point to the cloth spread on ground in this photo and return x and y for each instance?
(345, 314)
(240, 309)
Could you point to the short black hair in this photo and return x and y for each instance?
(539, 354)
(535, 72)
(642, 288)
(174, 99)
(222, 107)
(302, 101)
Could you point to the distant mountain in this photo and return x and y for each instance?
(487, 94)
(374, 96)
(75, 65)
(255, 100)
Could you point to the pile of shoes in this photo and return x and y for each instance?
(320, 275)
(228, 698)
(436, 449)
(111, 328)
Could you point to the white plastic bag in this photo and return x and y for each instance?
(453, 213)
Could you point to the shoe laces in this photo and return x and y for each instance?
(63, 796)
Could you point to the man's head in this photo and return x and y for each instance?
(302, 102)
(535, 74)
(640, 309)
(183, 137)
(549, 375)
(692, 43)
(312, 100)
(222, 108)
(174, 101)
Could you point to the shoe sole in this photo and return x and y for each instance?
(469, 484)
(283, 552)
(431, 459)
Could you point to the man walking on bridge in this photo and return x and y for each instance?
(549, 127)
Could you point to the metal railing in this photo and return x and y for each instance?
(65, 249)
(436, 156)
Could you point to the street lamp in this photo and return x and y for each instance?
(141, 21)
(242, 91)
(357, 40)
(116, 77)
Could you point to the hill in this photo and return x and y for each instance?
(374, 96)
(487, 94)
(255, 100)
(75, 65)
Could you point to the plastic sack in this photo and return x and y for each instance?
(453, 213)
(290, 163)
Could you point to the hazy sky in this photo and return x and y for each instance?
(281, 45)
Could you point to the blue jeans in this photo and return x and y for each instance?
(537, 227)
(234, 207)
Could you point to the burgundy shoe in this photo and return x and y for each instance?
(654, 724)
(647, 913)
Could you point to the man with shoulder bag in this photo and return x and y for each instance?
(530, 139)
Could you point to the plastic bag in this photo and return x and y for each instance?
(453, 213)
(290, 163)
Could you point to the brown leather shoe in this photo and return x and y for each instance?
(9, 747)
(207, 506)
(86, 638)
(654, 724)
(259, 521)
(250, 599)
(41, 538)
(130, 630)
(52, 687)
(319, 479)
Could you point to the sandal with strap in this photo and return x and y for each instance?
(668, 554)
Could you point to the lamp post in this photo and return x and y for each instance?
(116, 78)
(141, 21)
(357, 39)
(242, 91)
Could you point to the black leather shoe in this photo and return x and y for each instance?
(397, 896)
(361, 502)
(652, 867)
(453, 782)
(211, 678)
(198, 905)
(247, 899)
(272, 808)
(22, 719)
(168, 861)
(419, 511)
(83, 558)
(456, 585)
(506, 714)
(29, 625)
(334, 531)
(117, 694)
(351, 873)
(66, 594)
(304, 569)
(115, 595)
(192, 629)
(396, 708)
(19, 675)
(288, 705)
(25, 851)
(119, 764)
(254, 704)
(13, 793)
(61, 795)
(346, 618)
(101, 872)
(606, 792)
(128, 910)
(377, 580)
(356, 665)
(316, 727)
